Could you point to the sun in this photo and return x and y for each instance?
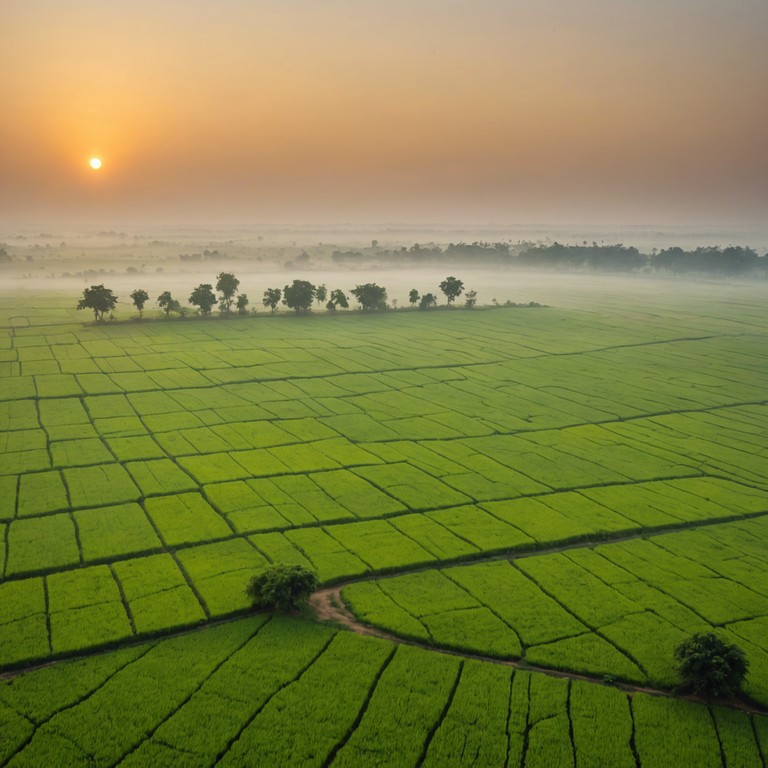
(95, 163)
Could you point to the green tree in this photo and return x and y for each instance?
(470, 299)
(321, 294)
(203, 298)
(272, 298)
(98, 298)
(339, 299)
(299, 295)
(282, 586)
(427, 300)
(710, 665)
(452, 288)
(242, 304)
(370, 296)
(226, 285)
(168, 304)
(140, 298)
(413, 296)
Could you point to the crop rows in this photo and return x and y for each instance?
(248, 690)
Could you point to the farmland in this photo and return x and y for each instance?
(575, 488)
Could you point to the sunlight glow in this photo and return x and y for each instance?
(95, 163)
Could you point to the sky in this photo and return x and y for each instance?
(251, 112)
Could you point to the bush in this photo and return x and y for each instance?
(282, 586)
(710, 665)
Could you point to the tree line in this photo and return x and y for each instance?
(299, 296)
(732, 260)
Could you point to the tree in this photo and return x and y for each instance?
(167, 303)
(272, 298)
(242, 304)
(470, 299)
(427, 300)
(339, 299)
(140, 298)
(452, 288)
(413, 296)
(710, 665)
(299, 295)
(370, 296)
(98, 298)
(321, 294)
(226, 285)
(203, 298)
(282, 586)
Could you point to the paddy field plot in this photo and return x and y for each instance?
(579, 489)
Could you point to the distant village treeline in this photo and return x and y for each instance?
(732, 260)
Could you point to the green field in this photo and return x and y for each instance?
(569, 489)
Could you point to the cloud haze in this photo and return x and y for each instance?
(240, 112)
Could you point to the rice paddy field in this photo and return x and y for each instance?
(526, 510)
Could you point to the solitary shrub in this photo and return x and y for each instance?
(710, 665)
(282, 586)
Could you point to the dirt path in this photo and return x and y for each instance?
(328, 606)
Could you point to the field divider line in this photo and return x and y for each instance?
(266, 702)
(441, 717)
(47, 598)
(528, 723)
(758, 741)
(568, 694)
(191, 584)
(507, 731)
(150, 733)
(633, 735)
(361, 713)
(720, 746)
(6, 546)
(126, 604)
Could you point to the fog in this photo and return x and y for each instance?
(50, 259)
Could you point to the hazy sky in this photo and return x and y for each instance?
(472, 111)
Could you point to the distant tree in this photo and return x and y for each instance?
(140, 298)
(5, 256)
(413, 296)
(339, 299)
(452, 288)
(165, 301)
(299, 295)
(470, 299)
(272, 298)
(98, 298)
(370, 296)
(242, 304)
(282, 586)
(321, 294)
(710, 665)
(427, 300)
(203, 298)
(226, 285)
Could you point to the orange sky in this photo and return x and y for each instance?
(397, 110)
